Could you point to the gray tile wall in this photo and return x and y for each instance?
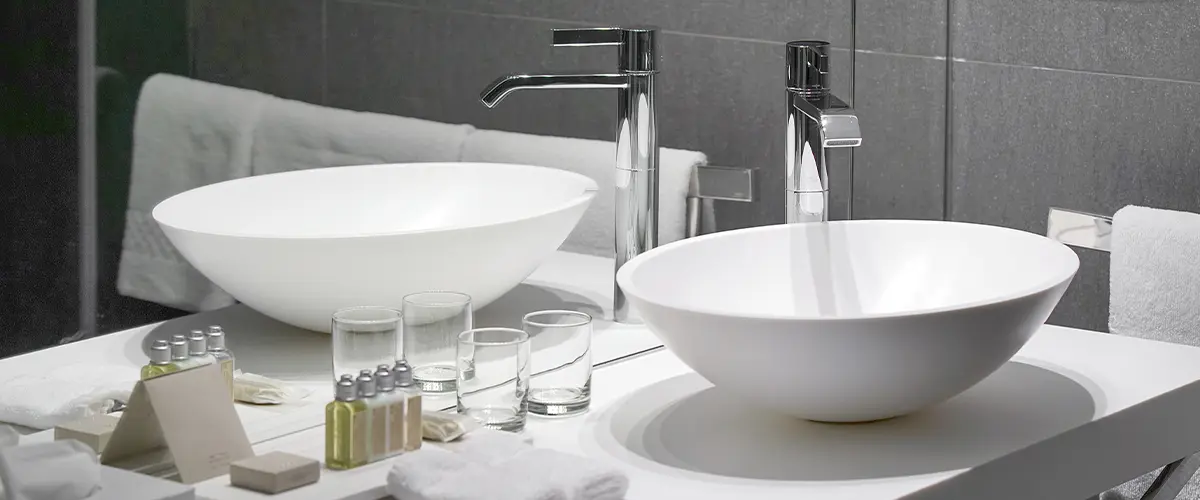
(977, 110)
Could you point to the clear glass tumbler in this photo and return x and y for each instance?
(493, 377)
(432, 322)
(364, 337)
(562, 367)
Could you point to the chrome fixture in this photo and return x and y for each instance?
(817, 122)
(636, 210)
(1080, 229)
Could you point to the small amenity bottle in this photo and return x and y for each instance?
(383, 417)
(198, 349)
(412, 405)
(160, 361)
(346, 427)
(376, 415)
(216, 348)
(179, 353)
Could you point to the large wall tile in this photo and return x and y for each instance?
(1026, 139)
(1155, 38)
(773, 20)
(900, 168)
(724, 97)
(270, 45)
(916, 27)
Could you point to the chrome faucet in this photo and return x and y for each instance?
(636, 224)
(817, 122)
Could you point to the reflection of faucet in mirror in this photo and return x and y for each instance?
(636, 224)
(817, 122)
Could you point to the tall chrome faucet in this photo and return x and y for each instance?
(636, 225)
(816, 122)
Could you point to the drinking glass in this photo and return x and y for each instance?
(432, 322)
(493, 377)
(562, 368)
(364, 337)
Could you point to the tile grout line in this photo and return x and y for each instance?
(948, 109)
(853, 96)
(325, 52)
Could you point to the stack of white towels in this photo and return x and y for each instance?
(190, 133)
(495, 465)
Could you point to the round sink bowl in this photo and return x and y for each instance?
(297, 246)
(849, 321)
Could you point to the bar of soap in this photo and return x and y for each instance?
(93, 431)
(275, 472)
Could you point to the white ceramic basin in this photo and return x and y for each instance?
(849, 321)
(297, 246)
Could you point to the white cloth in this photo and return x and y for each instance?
(187, 134)
(58, 470)
(295, 135)
(1154, 293)
(8, 436)
(64, 394)
(1154, 288)
(595, 159)
(488, 464)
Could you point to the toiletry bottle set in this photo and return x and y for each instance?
(375, 416)
(196, 349)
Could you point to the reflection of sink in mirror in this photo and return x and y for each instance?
(1019, 405)
(849, 321)
(297, 246)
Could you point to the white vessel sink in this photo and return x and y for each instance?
(297, 246)
(849, 321)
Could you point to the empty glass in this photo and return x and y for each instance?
(432, 322)
(493, 377)
(562, 384)
(364, 337)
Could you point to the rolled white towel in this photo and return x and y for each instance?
(580, 478)
(1155, 275)
(436, 474)
(65, 394)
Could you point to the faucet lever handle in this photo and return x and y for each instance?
(587, 36)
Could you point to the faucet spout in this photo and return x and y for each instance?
(499, 89)
(837, 121)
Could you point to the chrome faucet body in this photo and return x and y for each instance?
(636, 224)
(816, 122)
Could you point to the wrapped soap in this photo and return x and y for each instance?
(260, 390)
(446, 427)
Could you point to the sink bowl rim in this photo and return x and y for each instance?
(590, 189)
(624, 275)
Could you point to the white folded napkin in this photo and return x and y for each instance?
(65, 394)
(488, 464)
(58, 470)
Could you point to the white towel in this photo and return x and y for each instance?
(594, 233)
(58, 470)
(1154, 288)
(295, 135)
(493, 464)
(64, 394)
(187, 134)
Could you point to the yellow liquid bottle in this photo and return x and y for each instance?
(216, 348)
(160, 361)
(346, 427)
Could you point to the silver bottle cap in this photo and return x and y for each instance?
(402, 373)
(197, 343)
(160, 353)
(216, 338)
(179, 348)
(384, 380)
(346, 389)
(366, 384)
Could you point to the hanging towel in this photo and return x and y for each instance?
(296, 135)
(187, 134)
(1154, 290)
(594, 233)
(1154, 293)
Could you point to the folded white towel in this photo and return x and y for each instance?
(64, 394)
(294, 136)
(493, 464)
(594, 234)
(1155, 275)
(187, 134)
(58, 470)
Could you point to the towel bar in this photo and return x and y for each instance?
(716, 183)
(1080, 229)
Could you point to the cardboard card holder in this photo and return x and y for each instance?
(185, 418)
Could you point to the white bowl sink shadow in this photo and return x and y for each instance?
(849, 321)
(297, 246)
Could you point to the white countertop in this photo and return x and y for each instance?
(1074, 413)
